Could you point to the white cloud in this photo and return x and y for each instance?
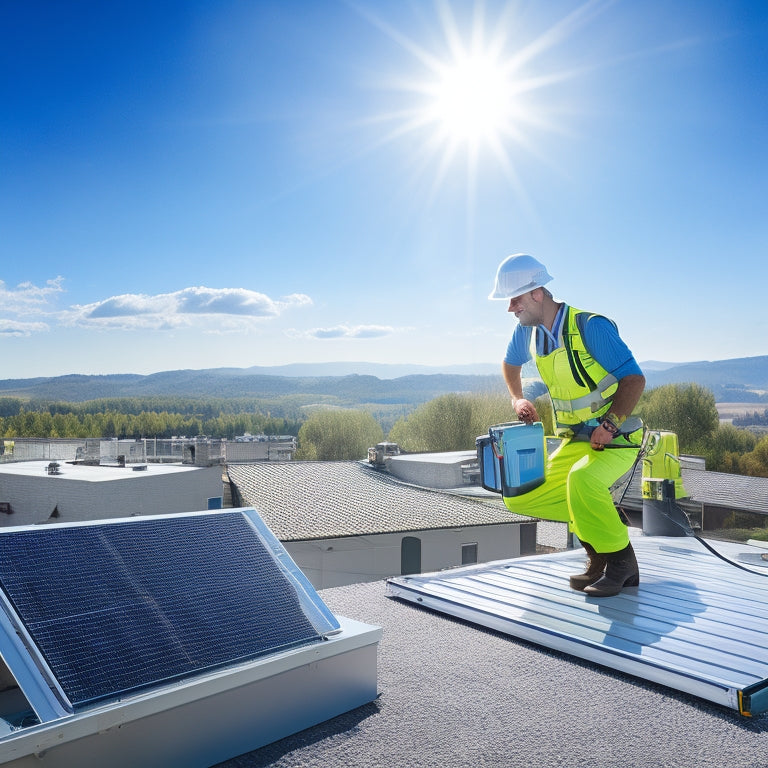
(208, 310)
(27, 298)
(26, 301)
(18, 328)
(184, 308)
(347, 332)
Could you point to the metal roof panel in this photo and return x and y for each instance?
(695, 623)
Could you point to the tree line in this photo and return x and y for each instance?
(751, 420)
(449, 422)
(134, 418)
(452, 423)
(201, 407)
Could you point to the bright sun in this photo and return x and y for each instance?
(481, 93)
(472, 101)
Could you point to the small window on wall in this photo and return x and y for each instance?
(410, 555)
(468, 553)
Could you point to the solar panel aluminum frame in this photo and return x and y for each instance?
(34, 676)
(316, 610)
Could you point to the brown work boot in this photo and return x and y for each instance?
(621, 571)
(596, 563)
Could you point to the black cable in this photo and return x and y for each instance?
(724, 558)
(689, 530)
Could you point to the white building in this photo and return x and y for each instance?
(450, 469)
(41, 491)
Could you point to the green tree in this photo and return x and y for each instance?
(486, 411)
(10, 406)
(451, 422)
(442, 424)
(334, 435)
(724, 450)
(688, 410)
(755, 463)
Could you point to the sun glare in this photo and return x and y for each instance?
(481, 90)
(471, 100)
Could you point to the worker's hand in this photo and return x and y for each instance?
(526, 411)
(601, 436)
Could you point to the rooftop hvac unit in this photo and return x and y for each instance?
(381, 452)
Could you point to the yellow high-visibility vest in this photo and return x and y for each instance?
(580, 388)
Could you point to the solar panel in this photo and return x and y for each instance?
(116, 607)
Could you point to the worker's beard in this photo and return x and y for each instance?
(527, 318)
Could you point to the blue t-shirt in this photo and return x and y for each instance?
(600, 335)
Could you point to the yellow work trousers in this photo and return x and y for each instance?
(576, 492)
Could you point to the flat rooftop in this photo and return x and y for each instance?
(454, 694)
(92, 473)
(447, 457)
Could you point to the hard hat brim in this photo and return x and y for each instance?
(507, 295)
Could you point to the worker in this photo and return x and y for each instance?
(594, 383)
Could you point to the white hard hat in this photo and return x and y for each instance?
(517, 275)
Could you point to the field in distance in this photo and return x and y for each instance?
(730, 411)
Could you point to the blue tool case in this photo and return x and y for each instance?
(512, 458)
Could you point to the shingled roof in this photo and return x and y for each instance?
(305, 500)
(742, 492)
(714, 489)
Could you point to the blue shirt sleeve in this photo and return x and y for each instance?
(601, 337)
(604, 343)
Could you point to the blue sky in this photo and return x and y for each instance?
(188, 184)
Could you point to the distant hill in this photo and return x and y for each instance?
(743, 379)
(346, 390)
(380, 370)
(739, 380)
(657, 365)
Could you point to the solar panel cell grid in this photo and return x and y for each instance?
(115, 608)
